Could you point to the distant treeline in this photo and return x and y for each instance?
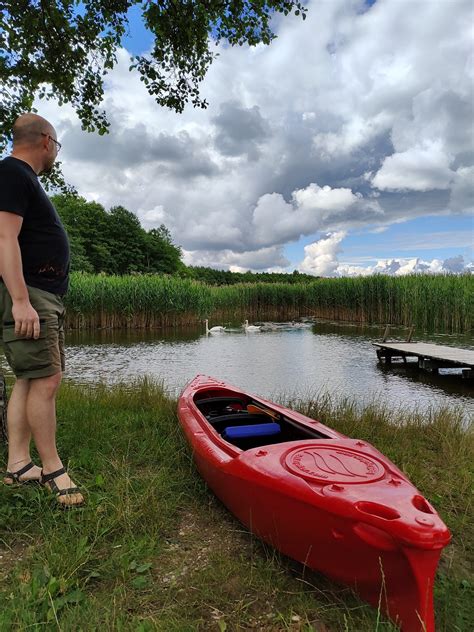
(225, 277)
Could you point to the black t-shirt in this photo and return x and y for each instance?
(43, 241)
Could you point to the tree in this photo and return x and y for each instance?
(87, 225)
(161, 253)
(126, 241)
(64, 48)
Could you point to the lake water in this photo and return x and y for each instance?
(339, 359)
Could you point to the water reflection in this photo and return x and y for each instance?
(329, 357)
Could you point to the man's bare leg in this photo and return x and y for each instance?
(19, 433)
(41, 415)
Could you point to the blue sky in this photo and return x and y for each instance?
(346, 142)
(429, 237)
(139, 39)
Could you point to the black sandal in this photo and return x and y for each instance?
(69, 491)
(15, 476)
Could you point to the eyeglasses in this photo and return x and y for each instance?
(57, 143)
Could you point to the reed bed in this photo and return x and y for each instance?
(430, 302)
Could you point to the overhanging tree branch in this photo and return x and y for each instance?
(64, 48)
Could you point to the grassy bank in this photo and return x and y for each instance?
(442, 302)
(154, 550)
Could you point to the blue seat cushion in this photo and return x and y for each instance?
(232, 433)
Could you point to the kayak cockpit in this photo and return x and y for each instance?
(247, 424)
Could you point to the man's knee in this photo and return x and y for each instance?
(46, 386)
(21, 387)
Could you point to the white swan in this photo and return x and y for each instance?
(213, 330)
(269, 327)
(296, 325)
(248, 327)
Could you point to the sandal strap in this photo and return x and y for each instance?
(68, 492)
(16, 475)
(46, 478)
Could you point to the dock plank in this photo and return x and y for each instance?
(461, 357)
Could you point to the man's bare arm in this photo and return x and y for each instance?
(11, 271)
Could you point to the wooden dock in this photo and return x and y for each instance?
(430, 357)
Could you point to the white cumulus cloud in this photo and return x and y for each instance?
(321, 256)
(420, 168)
(322, 259)
(310, 209)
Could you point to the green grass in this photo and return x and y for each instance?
(154, 550)
(431, 302)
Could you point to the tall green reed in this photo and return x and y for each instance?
(430, 302)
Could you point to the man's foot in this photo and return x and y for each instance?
(29, 473)
(60, 483)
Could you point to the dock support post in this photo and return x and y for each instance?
(428, 365)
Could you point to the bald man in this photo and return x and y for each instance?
(34, 272)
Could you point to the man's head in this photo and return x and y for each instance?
(35, 141)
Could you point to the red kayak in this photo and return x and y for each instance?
(335, 504)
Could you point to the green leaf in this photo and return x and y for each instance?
(140, 582)
(143, 568)
(75, 596)
(53, 586)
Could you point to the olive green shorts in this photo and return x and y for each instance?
(30, 358)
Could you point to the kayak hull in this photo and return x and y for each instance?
(333, 503)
